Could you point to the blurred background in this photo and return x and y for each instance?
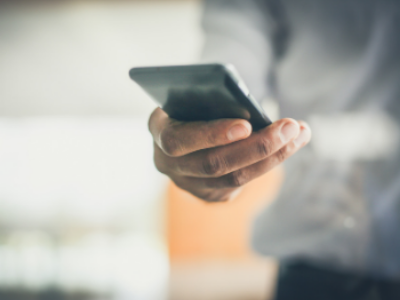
(83, 212)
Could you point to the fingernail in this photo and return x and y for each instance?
(237, 132)
(289, 131)
(302, 138)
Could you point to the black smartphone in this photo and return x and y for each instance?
(200, 93)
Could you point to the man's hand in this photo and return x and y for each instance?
(213, 159)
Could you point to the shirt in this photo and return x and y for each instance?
(335, 64)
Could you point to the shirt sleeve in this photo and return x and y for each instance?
(236, 32)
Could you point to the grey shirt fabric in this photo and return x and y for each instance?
(335, 64)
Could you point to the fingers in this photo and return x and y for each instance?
(218, 189)
(224, 160)
(243, 176)
(176, 138)
(304, 136)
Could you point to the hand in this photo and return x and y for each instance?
(213, 159)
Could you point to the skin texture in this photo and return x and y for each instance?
(212, 160)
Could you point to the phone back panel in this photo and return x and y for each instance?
(199, 93)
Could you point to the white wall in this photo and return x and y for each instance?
(80, 200)
(73, 58)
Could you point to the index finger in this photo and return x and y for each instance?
(178, 138)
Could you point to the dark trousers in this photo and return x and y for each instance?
(302, 281)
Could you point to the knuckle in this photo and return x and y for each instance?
(237, 179)
(212, 138)
(265, 147)
(282, 154)
(213, 165)
(169, 143)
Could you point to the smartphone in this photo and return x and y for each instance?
(201, 93)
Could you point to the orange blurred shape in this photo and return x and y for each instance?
(213, 231)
